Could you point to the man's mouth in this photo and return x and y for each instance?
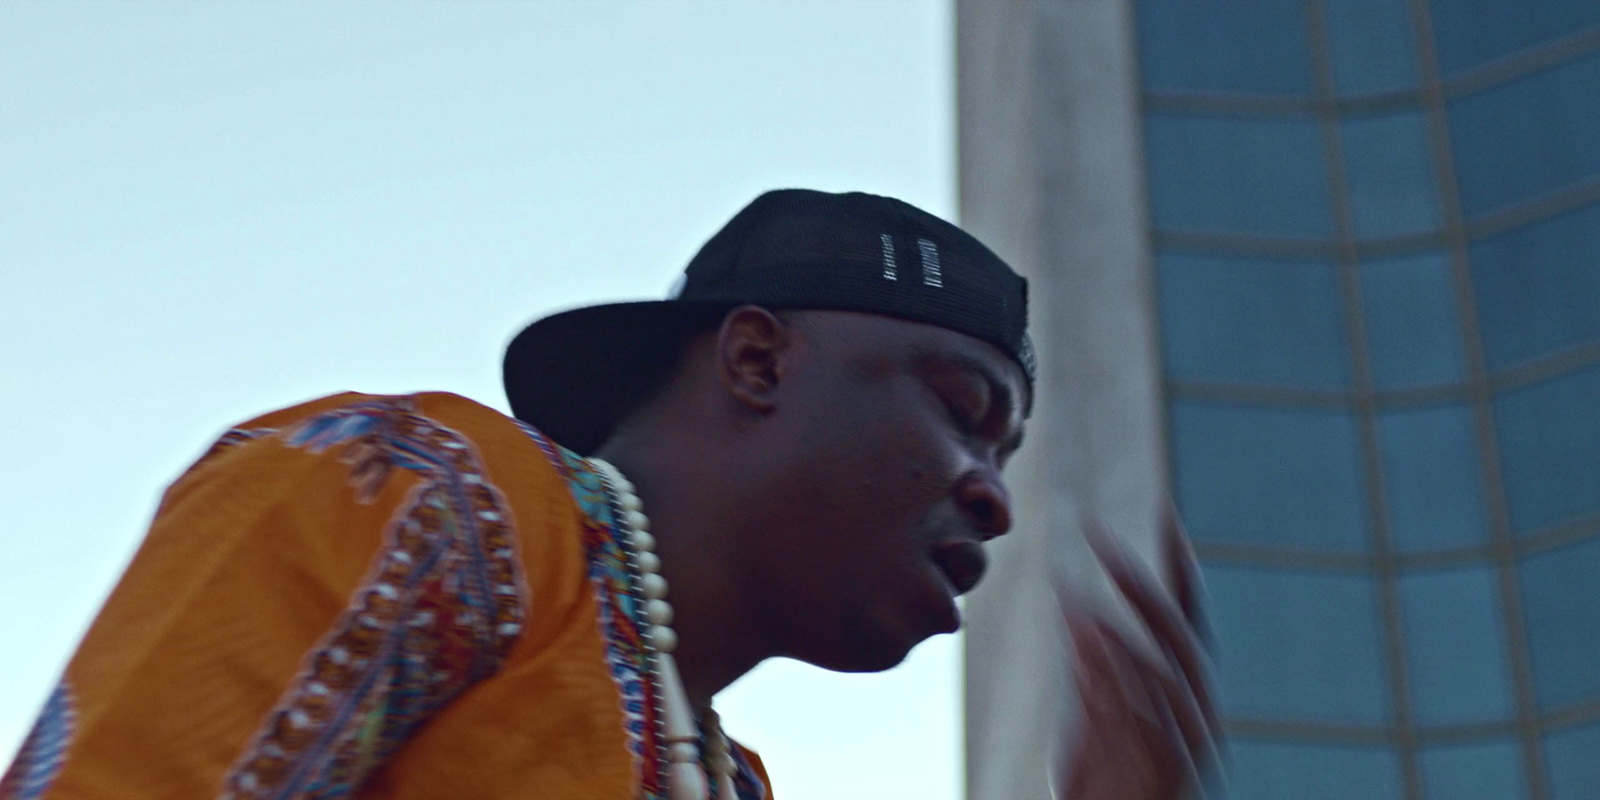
(962, 561)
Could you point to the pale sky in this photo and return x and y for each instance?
(209, 210)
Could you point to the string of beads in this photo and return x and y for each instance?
(686, 777)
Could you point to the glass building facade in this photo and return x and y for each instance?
(1375, 232)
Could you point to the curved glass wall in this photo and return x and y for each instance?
(1377, 236)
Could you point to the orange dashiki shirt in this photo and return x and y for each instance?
(367, 597)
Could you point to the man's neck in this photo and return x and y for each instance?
(719, 639)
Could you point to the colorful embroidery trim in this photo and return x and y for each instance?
(44, 752)
(746, 782)
(612, 571)
(441, 607)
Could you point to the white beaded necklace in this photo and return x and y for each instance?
(686, 780)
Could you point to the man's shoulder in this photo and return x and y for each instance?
(473, 419)
(432, 435)
(461, 421)
(486, 427)
(440, 405)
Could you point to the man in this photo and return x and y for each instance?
(416, 597)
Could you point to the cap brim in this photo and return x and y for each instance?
(573, 375)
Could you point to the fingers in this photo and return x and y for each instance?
(1185, 755)
(1128, 704)
(1105, 663)
(1183, 571)
(1108, 723)
(1187, 774)
(1170, 627)
(1177, 709)
(1178, 558)
(1121, 737)
(1188, 698)
(1105, 660)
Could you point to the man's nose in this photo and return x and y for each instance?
(983, 499)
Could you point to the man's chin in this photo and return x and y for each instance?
(877, 654)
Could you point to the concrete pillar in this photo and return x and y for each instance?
(1051, 177)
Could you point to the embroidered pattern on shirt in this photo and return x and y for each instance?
(613, 569)
(613, 574)
(229, 441)
(745, 780)
(44, 752)
(443, 603)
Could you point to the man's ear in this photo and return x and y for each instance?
(750, 349)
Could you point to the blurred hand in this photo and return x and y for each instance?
(1148, 722)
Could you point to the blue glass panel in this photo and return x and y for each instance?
(1470, 32)
(1550, 449)
(1456, 646)
(1270, 477)
(1298, 646)
(1247, 321)
(1571, 762)
(1413, 329)
(1529, 137)
(1538, 288)
(1274, 771)
(1478, 771)
(1433, 474)
(1372, 44)
(1238, 175)
(1228, 47)
(1562, 606)
(1393, 187)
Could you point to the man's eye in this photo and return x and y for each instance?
(964, 418)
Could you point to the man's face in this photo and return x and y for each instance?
(890, 436)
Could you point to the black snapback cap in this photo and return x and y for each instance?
(575, 374)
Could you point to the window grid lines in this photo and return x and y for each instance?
(1472, 391)
(1388, 735)
(1536, 209)
(1480, 78)
(1503, 546)
(1520, 64)
(1520, 214)
(1346, 264)
(1546, 539)
(1527, 373)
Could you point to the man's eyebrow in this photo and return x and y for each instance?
(998, 389)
